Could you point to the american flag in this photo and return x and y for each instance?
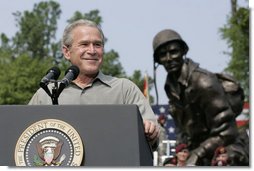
(244, 117)
(241, 120)
(170, 125)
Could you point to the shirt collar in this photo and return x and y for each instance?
(103, 78)
(100, 77)
(188, 67)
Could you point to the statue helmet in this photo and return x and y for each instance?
(166, 36)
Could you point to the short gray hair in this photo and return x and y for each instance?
(67, 38)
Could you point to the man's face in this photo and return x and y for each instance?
(86, 51)
(170, 56)
(183, 155)
(222, 157)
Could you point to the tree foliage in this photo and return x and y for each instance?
(93, 15)
(111, 64)
(236, 33)
(37, 29)
(26, 57)
(18, 80)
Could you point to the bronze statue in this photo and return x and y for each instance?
(199, 105)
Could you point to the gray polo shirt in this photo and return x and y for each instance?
(103, 90)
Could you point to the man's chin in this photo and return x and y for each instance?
(172, 69)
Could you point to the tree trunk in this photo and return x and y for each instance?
(233, 7)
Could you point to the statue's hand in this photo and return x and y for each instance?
(192, 160)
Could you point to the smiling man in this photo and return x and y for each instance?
(83, 45)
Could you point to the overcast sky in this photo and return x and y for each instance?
(130, 26)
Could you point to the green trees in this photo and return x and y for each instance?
(236, 32)
(37, 30)
(26, 57)
(19, 78)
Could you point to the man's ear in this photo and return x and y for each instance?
(66, 52)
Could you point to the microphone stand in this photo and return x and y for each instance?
(55, 91)
(54, 96)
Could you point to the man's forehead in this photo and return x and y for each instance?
(85, 33)
(172, 44)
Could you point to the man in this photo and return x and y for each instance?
(180, 158)
(220, 157)
(162, 149)
(182, 154)
(197, 102)
(83, 46)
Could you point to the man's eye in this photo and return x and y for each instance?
(98, 45)
(84, 44)
(174, 52)
(162, 53)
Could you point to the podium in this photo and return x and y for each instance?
(112, 135)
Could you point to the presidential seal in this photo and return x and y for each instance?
(49, 142)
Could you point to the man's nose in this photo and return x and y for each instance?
(168, 56)
(91, 48)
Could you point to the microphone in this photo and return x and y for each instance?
(52, 73)
(70, 74)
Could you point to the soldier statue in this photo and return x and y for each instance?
(203, 114)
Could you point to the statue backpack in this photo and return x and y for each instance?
(234, 92)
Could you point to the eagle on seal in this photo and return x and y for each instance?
(49, 149)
